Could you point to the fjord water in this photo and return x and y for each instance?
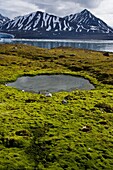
(51, 83)
(97, 45)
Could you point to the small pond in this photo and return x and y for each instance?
(51, 83)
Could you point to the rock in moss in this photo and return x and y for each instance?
(22, 133)
(106, 54)
(86, 128)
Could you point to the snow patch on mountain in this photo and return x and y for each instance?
(89, 23)
(83, 22)
(3, 20)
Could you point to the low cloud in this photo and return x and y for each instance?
(100, 8)
(89, 3)
(12, 9)
(57, 7)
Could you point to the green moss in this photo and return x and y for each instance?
(42, 133)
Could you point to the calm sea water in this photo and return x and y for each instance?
(98, 45)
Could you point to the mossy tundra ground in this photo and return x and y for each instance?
(42, 133)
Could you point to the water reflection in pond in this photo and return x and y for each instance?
(51, 83)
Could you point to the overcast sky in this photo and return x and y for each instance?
(102, 9)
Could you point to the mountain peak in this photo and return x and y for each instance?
(50, 25)
(3, 19)
(85, 11)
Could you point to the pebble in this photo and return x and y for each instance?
(64, 101)
(48, 95)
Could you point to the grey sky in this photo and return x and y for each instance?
(103, 9)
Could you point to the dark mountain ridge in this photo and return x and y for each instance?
(87, 22)
(3, 20)
(43, 25)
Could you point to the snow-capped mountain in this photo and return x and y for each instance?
(38, 21)
(87, 22)
(43, 25)
(3, 20)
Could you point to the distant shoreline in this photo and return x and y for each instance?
(60, 35)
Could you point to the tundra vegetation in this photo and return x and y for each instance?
(45, 133)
